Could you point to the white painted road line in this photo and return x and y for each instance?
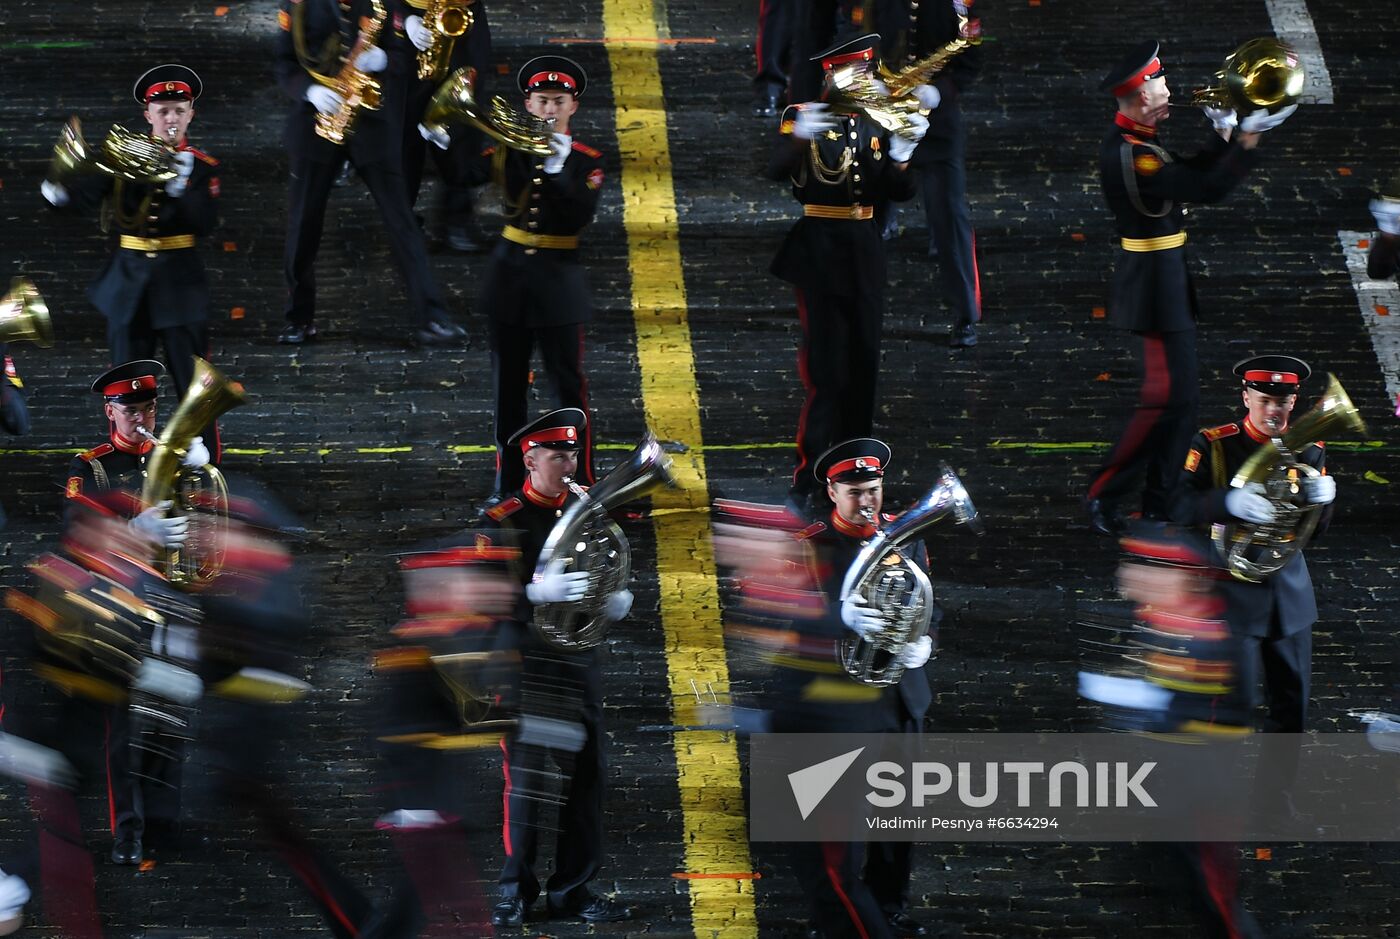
(1380, 308)
(1294, 25)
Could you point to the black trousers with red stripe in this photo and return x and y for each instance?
(839, 363)
(1153, 444)
(943, 190)
(561, 348)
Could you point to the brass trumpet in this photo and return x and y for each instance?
(455, 103)
(448, 20)
(124, 154)
(1262, 73)
(24, 316)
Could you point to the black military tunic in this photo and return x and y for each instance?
(109, 466)
(574, 681)
(1273, 619)
(535, 292)
(318, 34)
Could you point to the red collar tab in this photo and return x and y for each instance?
(136, 447)
(1148, 72)
(1276, 378)
(566, 434)
(170, 88)
(864, 55)
(1257, 435)
(561, 79)
(542, 500)
(860, 462)
(127, 386)
(855, 531)
(1127, 123)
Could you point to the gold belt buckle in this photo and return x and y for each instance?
(855, 212)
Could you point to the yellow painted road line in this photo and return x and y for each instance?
(707, 762)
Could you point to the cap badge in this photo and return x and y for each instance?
(1276, 377)
(136, 384)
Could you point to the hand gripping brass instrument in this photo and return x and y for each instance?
(586, 539)
(448, 21)
(455, 103)
(124, 154)
(1254, 552)
(358, 90)
(895, 586)
(24, 316)
(201, 492)
(1262, 73)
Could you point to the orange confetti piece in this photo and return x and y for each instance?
(147, 866)
(1104, 376)
(220, 11)
(1035, 3)
(1263, 854)
(1099, 312)
(237, 313)
(230, 246)
(1364, 243)
(1382, 310)
(1344, 171)
(1076, 236)
(502, 69)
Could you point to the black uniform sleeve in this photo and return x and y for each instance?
(198, 208)
(286, 66)
(81, 481)
(896, 182)
(788, 151)
(573, 192)
(1316, 457)
(1196, 500)
(85, 193)
(1203, 179)
(14, 412)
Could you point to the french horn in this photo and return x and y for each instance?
(455, 103)
(1262, 73)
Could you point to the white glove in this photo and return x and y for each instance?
(859, 618)
(1262, 120)
(813, 119)
(1319, 490)
(14, 894)
(1386, 211)
(617, 605)
(168, 681)
(165, 532)
(554, 586)
(323, 99)
(373, 59)
(559, 146)
(1249, 506)
(56, 195)
(183, 164)
(929, 97)
(901, 147)
(1221, 118)
(197, 455)
(440, 138)
(916, 654)
(31, 762)
(418, 34)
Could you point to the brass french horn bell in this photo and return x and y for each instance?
(1262, 73)
(24, 316)
(455, 103)
(124, 154)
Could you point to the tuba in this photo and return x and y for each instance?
(358, 90)
(448, 20)
(455, 103)
(200, 490)
(1254, 552)
(586, 539)
(24, 316)
(1262, 73)
(896, 586)
(124, 154)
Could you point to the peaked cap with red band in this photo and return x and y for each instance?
(1138, 67)
(558, 430)
(552, 73)
(1273, 374)
(132, 383)
(169, 82)
(860, 49)
(852, 461)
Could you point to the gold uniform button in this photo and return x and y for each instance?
(530, 251)
(558, 513)
(536, 180)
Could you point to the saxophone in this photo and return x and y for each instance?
(896, 586)
(357, 89)
(448, 20)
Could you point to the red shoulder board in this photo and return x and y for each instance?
(502, 509)
(1224, 430)
(203, 156)
(813, 529)
(586, 150)
(1132, 140)
(96, 452)
(1319, 444)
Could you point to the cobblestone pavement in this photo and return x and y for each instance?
(378, 448)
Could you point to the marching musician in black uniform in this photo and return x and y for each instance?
(772, 51)
(150, 791)
(550, 447)
(839, 166)
(1384, 257)
(455, 224)
(153, 288)
(852, 473)
(1272, 620)
(1152, 295)
(914, 29)
(534, 291)
(315, 37)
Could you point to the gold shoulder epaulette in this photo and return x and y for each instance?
(1224, 430)
(95, 452)
(503, 509)
(586, 150)
(815, 528)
